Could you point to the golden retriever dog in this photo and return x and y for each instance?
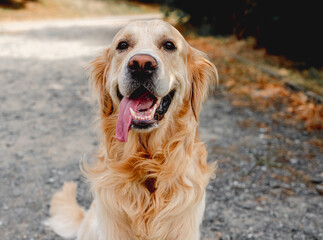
(149, 180)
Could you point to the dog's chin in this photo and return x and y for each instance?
(149, 119)
(143, 128)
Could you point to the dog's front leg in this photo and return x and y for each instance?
(89, 229)
(110, 228)
(199, 215)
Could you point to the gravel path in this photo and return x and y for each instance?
(269, 174)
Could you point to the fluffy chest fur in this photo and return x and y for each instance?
(149, 193)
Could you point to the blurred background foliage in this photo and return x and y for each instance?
(16, 4)
(291, 28)
(22, 10)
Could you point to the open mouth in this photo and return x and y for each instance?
(142, 110)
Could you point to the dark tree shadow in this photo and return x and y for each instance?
(14, 4)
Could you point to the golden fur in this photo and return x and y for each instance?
(153, 186)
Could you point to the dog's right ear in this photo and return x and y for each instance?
(203, 75)
(98, 77)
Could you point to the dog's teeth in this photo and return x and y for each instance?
(133, 114)
(158, 102)
(149, 116)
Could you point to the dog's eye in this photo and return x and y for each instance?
(122, 45)
(169, 46)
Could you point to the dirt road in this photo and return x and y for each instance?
(269, 174)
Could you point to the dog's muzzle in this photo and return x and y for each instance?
(142, 72)
(142, 107)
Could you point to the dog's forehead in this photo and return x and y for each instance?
(157, 29)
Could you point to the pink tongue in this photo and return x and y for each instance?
(124, 118)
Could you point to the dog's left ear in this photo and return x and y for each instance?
(203, 76)
(98, 77)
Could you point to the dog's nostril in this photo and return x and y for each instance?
(149, 66)
(142, 63)
(133, 65)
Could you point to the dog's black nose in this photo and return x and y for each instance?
(141, 65)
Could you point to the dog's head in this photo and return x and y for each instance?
(147, 75)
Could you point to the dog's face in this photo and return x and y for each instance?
(147, 54)
(147, 72)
